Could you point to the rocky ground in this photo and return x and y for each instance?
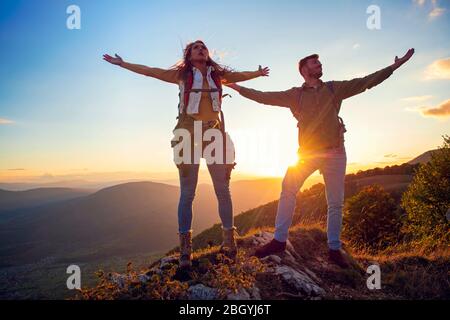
(301, 272)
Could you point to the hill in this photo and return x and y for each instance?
(312, 208)
(424, 157)
(14, 200)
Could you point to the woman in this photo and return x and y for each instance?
(200, 81)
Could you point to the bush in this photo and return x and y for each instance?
(372, 219)
(427, 199)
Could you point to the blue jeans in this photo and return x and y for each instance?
(332, 166)
(220, 175)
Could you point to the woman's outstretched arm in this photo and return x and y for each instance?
(232, 77)
(161, 74)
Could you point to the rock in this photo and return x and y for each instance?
(291, 250)
(242, 294)
(263, 237)
(143, 278)
(166, 261)
(299, 280)
(252, 293)
(255, 293)
(274, 258)
(202, 292)
(311, 274)
(119, 279)
(288, 258)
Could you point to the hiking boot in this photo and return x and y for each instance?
(228, 245)
(185, 260)
(272, 247)
(338, 257)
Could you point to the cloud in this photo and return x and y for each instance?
(417, 98)
(439, 69)
(391, 155)
(16, 169)
(5, 121)
(356, 46)
(436, 12)
(440, 111)
(435, 9)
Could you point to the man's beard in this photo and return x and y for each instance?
(317, 75)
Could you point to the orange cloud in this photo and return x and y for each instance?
(439, 69)
(440, 111)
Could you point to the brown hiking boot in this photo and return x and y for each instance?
(272, 247)
(229, 246)
(338, 257)
(185, 260)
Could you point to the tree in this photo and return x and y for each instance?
(427, 199)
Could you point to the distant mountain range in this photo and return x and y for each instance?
(13, 200)
(127, 218)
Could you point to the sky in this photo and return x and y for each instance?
(64, 112)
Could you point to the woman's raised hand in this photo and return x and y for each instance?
(117, 60)
(264, 71)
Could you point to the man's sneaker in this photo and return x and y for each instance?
(272, 247)
(338, 257)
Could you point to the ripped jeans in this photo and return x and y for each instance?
(332, 165)
(220, 175)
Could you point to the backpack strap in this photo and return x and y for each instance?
(338, 107)
(296, 111)
(184, 96)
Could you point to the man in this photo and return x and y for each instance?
(316, 106)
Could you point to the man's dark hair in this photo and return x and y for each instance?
(303, 61)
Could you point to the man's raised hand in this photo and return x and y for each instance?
(400, 61)
(117, 60)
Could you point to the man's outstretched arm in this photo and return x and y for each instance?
(273, 98)
(346, 89)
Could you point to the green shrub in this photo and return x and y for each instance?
(372, 219)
